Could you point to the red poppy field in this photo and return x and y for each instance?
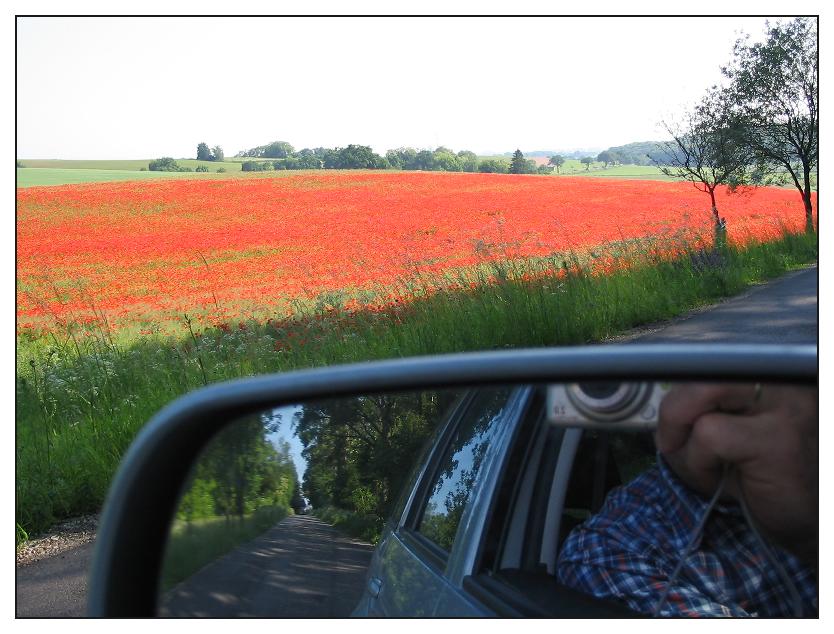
(142, 253)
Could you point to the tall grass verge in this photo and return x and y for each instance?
(193, 545)
(368, 528)
(82, 395)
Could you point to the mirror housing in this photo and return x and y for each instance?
(143, 496)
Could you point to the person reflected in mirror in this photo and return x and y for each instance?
(725, 523)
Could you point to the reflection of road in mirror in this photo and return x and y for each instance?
(301, 568)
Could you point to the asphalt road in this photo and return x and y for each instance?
(301, 568)
(782, 311)
(55, 586)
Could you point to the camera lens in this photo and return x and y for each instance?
(607, 401)
(600, 389)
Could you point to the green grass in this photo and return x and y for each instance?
(368, 528)
(83, 394)
(193, 545)
(130, 165)
(45, 176)
(642, 172)
(45, 172)
(573, 167)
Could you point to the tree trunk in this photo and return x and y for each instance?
(720, 227)
(806, 199)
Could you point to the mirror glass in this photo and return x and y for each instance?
(550, 499)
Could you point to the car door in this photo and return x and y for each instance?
(419, 566)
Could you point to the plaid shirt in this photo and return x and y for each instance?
(629, 550)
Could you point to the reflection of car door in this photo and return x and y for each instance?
(426, 557)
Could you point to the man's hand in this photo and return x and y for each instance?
(769, 436)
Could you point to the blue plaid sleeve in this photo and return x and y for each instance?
(629, 550)
(608, 570)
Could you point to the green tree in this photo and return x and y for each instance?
(707, 149)
(518, 164)
(358, 157)
(404, 158)
(308, 160)
(256, 166)
(606, 157)
(775, 90)
(240, 471)
(446, 161)
(394, 159)
(587, 161)
(493, 166)
(356, 448)
(217, 153)
(277, 149)
(557, 160)
(424, 160)
(203, 152)
(164, 164)
(468, 161)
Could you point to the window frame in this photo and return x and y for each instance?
(462, 559)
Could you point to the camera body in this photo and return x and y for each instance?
(606, 405)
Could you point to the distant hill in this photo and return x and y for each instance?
(576, 153)
(640, 153)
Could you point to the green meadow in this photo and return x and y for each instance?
(574, 167)
(46, 176)
(45, 172)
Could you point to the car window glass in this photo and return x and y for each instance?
(457, 403)
(458, 470)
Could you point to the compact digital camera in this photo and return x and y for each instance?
(609, 405)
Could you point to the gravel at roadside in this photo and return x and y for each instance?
(61, 537)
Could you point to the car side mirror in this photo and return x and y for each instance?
(215, 457)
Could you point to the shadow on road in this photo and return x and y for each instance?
(301, 568)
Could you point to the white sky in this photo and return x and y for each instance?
(146, 87)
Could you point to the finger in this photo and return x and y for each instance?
(716, 440)
(684, 404)
(729, 438)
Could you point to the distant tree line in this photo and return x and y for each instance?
(641, 153)
(204, 153)
(286, 158)
(441, 159)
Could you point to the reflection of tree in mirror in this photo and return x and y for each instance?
(455, 481)
(239, 472)
(359, 450)
(240, 487)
